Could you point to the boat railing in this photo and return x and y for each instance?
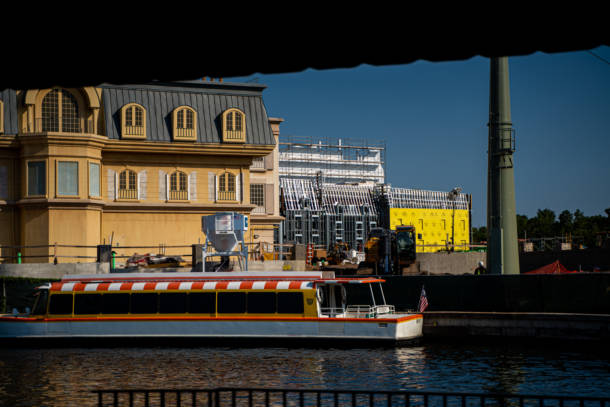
(368, 311)
(332, 312)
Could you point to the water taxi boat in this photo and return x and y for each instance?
(221, 307)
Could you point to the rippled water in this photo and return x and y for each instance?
(60, 377)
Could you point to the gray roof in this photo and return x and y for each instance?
(9, 99)
(208, 99)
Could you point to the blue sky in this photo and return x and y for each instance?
(433, 118)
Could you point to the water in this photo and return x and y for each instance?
(60, 377)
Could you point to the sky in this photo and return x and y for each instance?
(433, 118)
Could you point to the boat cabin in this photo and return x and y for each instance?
(207, 295)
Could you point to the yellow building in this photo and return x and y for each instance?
(434, 227)
(135, 165)
(440, 219)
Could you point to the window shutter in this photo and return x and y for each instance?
(211, 187)
(188, 186)
(138, 186)
(237, 188)
(215, 188)
(269, 199)
(167, 187)
(116, 185)
(269, 161)
(111, 181)
(142, 181)
(193, 186)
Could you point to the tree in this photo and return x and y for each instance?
(566, 222)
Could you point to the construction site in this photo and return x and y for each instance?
(333, 192)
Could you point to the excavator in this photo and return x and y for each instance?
(389, 251)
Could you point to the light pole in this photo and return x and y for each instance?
(453, 194)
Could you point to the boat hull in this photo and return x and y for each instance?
(395, 329)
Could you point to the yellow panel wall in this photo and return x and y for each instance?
(433, 226)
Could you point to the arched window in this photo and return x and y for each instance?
(185, 124)
(133, 121)
(178, 186)
(128, 185)
(60, 112)
(234, 126)
(226, 187)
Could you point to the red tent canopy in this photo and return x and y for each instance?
(553, 268)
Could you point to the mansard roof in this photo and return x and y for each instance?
(208, 99)
(9, 101)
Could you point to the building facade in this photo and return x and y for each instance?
(132, 165)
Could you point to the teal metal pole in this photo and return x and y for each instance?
(502, 244)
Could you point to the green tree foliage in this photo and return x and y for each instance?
(546, 224)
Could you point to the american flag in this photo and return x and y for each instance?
(423, 300)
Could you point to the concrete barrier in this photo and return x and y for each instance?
(456, 263)
(276, 265)
(50, 270)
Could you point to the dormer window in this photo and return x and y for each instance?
(234, 126)
(185, 124)
(60, 112)
(133, 121)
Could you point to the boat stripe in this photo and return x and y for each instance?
(68, 287)
(283, 285)
(190, 285)
(160, 286)
(185, 286)
(234, 285)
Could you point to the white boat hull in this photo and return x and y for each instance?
(393, 328)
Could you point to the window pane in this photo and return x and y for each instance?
(60, 304)
(145, 303)
(231, 303)
(37, 178)
(94, 179)
(87, 303)
(50, 111)
(238, 119)
(202, 303)
(257, 195)
(261, 303)
(67, 178)
(115, 303)
(290, 303)
(69, 113)
(172, 303)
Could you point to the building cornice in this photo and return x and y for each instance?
(122, 146)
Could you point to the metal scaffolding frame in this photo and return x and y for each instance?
(336, 160)
(325, 213)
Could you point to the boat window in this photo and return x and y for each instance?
(144, 303)
(202, 303)
(40, 303)
(261, 303)
(290, 303)
(172, 303)
(60, 304)
(115, 303)
(87, 303)
(231, 303)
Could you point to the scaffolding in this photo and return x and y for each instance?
(335, 160)
(323, 213)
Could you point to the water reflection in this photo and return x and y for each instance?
(65, 376)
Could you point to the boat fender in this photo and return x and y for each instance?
(320, 295)
(343, 296)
